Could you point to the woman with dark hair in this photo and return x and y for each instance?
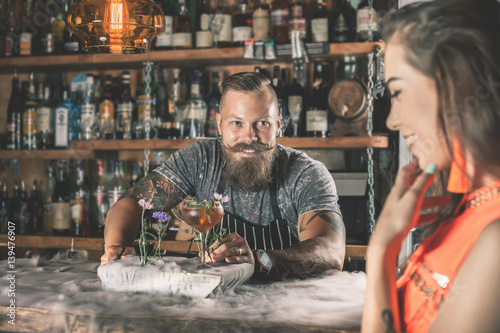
(442, 70)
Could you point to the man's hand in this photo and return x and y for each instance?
(115, 252)
(231, 248)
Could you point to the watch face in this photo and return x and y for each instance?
(265, 259)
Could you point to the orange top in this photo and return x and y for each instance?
(434, 265)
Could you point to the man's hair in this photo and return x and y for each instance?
(247, 82)
(456, 44)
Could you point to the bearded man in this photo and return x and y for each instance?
(282, 215)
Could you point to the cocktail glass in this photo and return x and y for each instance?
(201, 218)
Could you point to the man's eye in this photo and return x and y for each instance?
(263, 123)
(236, 123)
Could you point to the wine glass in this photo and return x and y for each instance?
(201, 217)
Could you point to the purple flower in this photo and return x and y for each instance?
(162, 216)
(145, 205)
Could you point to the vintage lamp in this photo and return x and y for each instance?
(116, 26)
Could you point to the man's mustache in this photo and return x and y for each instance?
(242, 146)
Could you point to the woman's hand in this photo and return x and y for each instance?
(231, 248)
(115, 252)
(402, 207)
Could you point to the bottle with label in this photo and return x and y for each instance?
(280, 27)
(35, 209)
(261, 21)
(296, 98)
(222, 26)
(26, 34)
(71, 43)
(59, 26)
(317, 113)
(88, 119)
(47, 40)
(61, 209)
(8, 46)
(62, 115)
(176, 99)
(146, 104)
(100, 198)
(242, 24)
(298, 16)
(23, 214)
(164, 40)
(47, 201)
(213, 102)
(282, 100)
(30, 121)
(124, 109)
(118, 185)
(344, 23)
(182, 37)
(367, 23)
(4, 209)
(107, 110)
(45, 118)
(79, 201)
(320, 24)
(204, 36)
(14, 116)
(196, 110)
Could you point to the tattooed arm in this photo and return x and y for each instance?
(321, 248)
(123, 219)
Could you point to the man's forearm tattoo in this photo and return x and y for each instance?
(388, 319)
(156, 189)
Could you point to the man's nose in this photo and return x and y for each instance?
(249, 134)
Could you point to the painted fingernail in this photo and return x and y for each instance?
(431, 168)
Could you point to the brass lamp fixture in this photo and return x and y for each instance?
(116, 26)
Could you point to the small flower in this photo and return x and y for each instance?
(162, 216)
(221, 198)
(145, 205)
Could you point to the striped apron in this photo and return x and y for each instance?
(275, 236)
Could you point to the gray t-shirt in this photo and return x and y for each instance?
(304, 184)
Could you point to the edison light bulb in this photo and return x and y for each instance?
(116, 18)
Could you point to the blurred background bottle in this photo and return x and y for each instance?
(100, 198)
(80, 201)
(213, 101)
(320, 24)
(182, 36)
(367, 23)
(118, 185)
(4, 208)
(164, 40)
(242, 24)
(280, 22)
(35, 209)
(317, 113)
(204, 35)
(61, 209)
(261, 21)
(296, 103)
(344, 23)
(45, 118)
(23, 215)
(62, 119)
(14, 116)
(124, 109)
(107, 110)
(298, 16)
(47, 201)
(29, 132)
(88, 119)
(196, 110)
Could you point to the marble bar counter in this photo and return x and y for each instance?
(39, 295)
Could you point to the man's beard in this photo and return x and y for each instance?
(249, 173)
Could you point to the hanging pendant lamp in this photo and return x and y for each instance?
(116, 26)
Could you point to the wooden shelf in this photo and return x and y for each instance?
(95, 244)
(177, 58)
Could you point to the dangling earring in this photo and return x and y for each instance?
(458, 181)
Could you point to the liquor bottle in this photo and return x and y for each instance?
(47, 201)
(146, 104)
(88, 119)
(261, 21)
(320, 25)
(71, 43)
(61, 209)
(213, 101)
(282, 100)
(100, 198)
(45, 118)
(182, 37)
(62, 115)
(79, 202)
(345, 23)
(124, 109)
(176, 99)
(14, 206)
(23, 214)
(8, 46)
(317, 113)
(30, 121)
(118, 185)
(4, 209)
(204, 36)
(47, 38)
(58, 23)
(222, 26)
(280, 22)
(14, 114)
(26, 34)
(162, 108)
(3, 29)
(35, 209)
(107, 110)
(137, 173)
(164, 40)
(242, 24)
(297, 21)
(296, 99)
(196, 110)
(367, 23)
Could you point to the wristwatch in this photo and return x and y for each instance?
(263, 262)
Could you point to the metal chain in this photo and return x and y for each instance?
(147, 107)
(146, 161)
(369, 150)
